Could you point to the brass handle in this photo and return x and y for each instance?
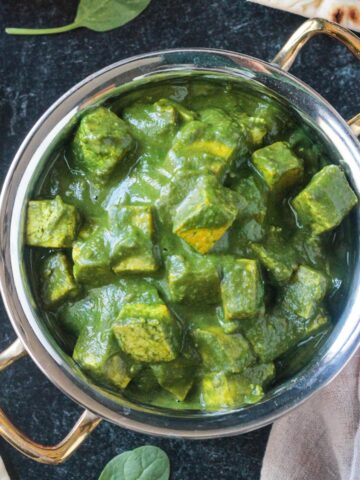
(354, 123)
(315, 26)
(41, 453)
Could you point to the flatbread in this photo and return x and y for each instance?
(345, 12)
(3, 472)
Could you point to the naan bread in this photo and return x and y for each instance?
(345, 12)
(3, 472)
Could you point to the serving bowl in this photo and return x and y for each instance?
(32, 160)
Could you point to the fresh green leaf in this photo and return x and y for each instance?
(103, 15)
(97, 15)
(143, 463)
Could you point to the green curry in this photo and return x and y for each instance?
(183, 239)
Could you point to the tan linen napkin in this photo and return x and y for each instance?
(320, 440)
(3, 472)
(345, 12)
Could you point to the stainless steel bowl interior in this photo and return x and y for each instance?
(33, 159)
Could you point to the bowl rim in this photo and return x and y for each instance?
(17, 304)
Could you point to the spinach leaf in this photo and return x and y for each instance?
(97, 15)
(143, 463)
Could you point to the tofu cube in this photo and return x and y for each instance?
(242, 290)
(221, 391)
(274, 334)
(326, 200)
(277, 256)
(249, 231)
(177, 377)
(145, 382)
(274, 116)
(317, 324)
(102, 305)
(278, 166)
(194, 280)
(57, 281)
(148, 333)
(51, 223)
(92, 259)
(205, 214)
(93, 348)
(152, 121)
(208, 145)
(98, 354)
(261, 374)
(131, 244)
(274, 262)
(222, 352)
(255, 128)
(102, 140)
(255, 197)
(119, 370)
(304, 294)
(74, 316)
(184, 113)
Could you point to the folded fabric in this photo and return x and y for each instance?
(345, 12)
(320, 440)
(3, 472)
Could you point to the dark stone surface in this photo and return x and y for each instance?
(34, 71)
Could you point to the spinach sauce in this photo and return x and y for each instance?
(191, 244)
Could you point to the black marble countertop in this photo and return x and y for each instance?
(34, 72)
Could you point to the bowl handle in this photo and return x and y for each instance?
(354, 123)
(41, 453)
(315, 26)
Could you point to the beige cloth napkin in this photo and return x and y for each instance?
(3, 473)
(320, 440)
(344, 12)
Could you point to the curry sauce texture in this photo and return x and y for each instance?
(187, 239)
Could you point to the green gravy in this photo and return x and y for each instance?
(191, 244)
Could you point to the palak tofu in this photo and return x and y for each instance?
(260, 374)
(275, 333)
(57, 280)
(278, 166)
(98, 354)
(255, 196)
(152, 121)
(205, 256)
(205, 214)
(277, 256)
(305, 293)
(209, 144)
(194, 280)
(148, 333)
(177, 376)
(91, 258)
(255, 128)
(325, 201)
(223, 390)
(51, 223)
(272, 335)
(102, 140)
(222, 352)
(102, 305)
(158, 120)
(242, 290)
(131, 239)
(145, 381)
(74, 316)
